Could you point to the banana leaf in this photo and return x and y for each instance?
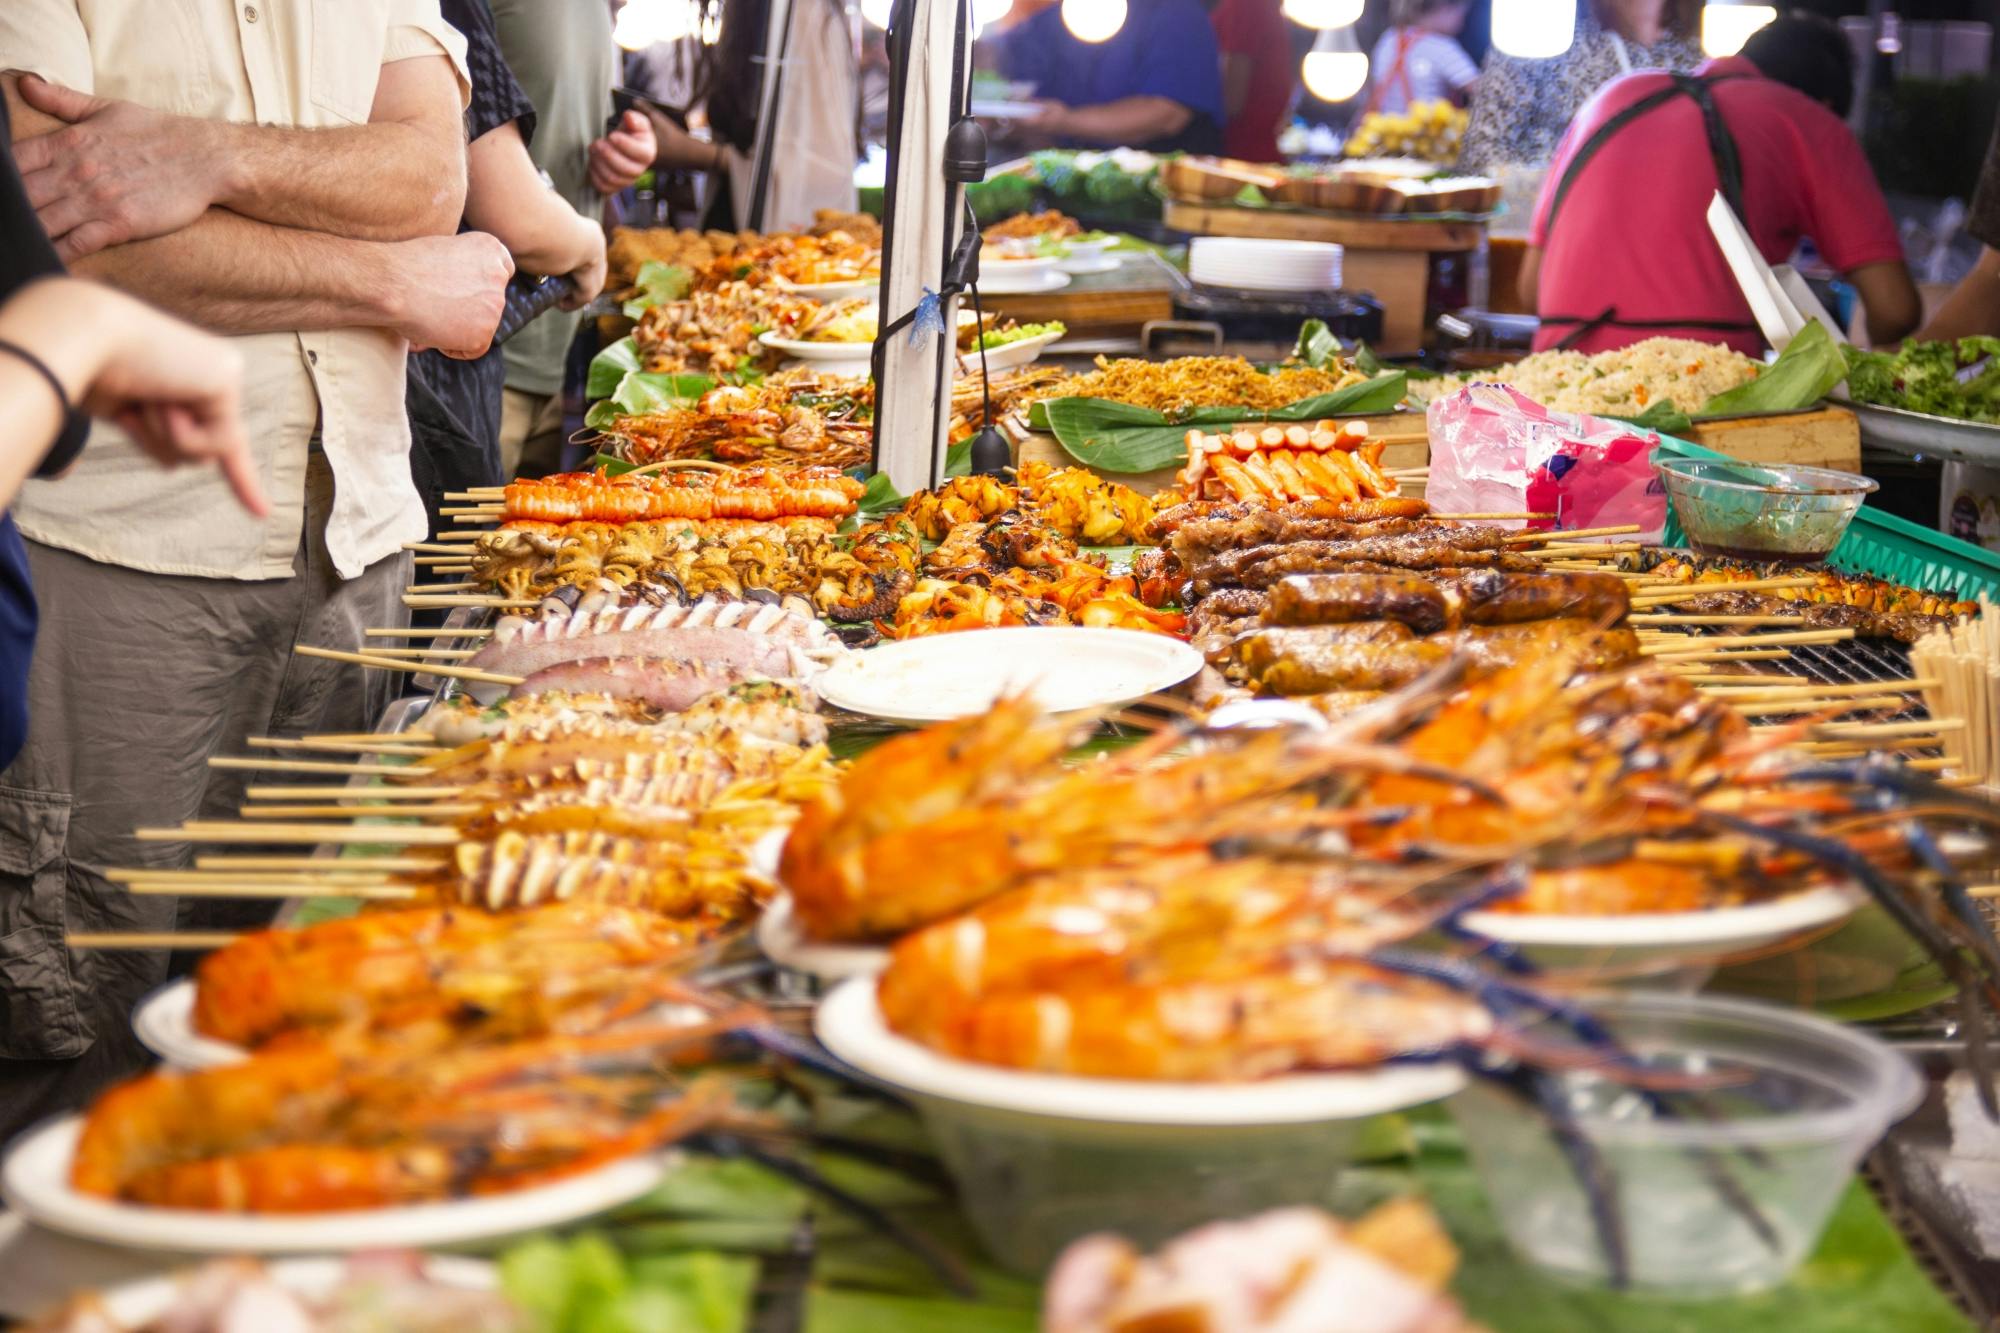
(610, 366)
(1804, 373)
(646, 391)
(1118, 437)
(656, 282)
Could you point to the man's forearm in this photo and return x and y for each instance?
(231, 274)
(1129, 120)
(368, 182)
(1973, 307)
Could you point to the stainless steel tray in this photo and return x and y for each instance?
(1908, 432)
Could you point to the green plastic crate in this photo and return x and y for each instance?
(1885, 546)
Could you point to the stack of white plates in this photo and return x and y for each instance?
(1264, 266)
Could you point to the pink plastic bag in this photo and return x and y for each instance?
(1494, 450)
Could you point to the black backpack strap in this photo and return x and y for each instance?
(1721, 144)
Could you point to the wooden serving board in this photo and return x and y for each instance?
(1829, 437)
(1356, 233)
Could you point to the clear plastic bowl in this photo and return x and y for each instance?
(1792, 1103)
(1750, 512)
(1041, 1160)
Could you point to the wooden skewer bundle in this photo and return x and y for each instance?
(1963, 661)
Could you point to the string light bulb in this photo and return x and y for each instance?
(1334, 76)
(1534, 29)
(1724, 28)
(1321, 15)
(1093, 20)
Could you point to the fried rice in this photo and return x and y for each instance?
(1622, 383)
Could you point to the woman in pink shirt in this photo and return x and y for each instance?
(1620, 249)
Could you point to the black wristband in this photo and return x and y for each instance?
(76, 426)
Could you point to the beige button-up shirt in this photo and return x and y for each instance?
(271, 62)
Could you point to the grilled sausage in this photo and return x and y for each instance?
(1490, 597)
(1335, 599)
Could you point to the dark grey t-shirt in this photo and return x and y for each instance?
(562, 55)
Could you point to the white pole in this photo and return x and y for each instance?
(922, 216)
(777, 29)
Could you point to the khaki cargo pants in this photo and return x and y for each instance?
(137, 679)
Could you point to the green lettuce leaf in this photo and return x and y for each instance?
(1118, 437)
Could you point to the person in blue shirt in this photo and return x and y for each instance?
(1154, 84)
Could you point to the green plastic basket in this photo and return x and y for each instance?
(1884, 545)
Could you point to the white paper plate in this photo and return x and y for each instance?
(34, 1181)
(849, 1023)
(1003, 280)
(164, 1024)
(1718, 930)
(138, 1304)
(785, 942)
(830, 292)
(1064, 668)
(1083, 267)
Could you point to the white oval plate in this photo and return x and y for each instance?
(804, 350)
(1001, 280)
(34, 1181)
(164, 1024)
(849, 1023)
(1063, 667)
(784, 942)
(1722, 929)
(830, 292)
(139, 1304)
(1079, 267)
(1024, 351)
(1014, 268)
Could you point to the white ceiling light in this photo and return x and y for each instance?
(1093, 20)
(1534, 29)
(1322, 14)
(985, 13)
(1335, 76)
(1724, 28)
(876, 12)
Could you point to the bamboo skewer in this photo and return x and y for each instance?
(386, 744)
(427, 589)
(435, 811)
(477, 632)
(1850, 704)
(1723, 655)
(396, 664)
(145, 876)
(142, 939)
(1669, 618)
(305, 865)
(1718, 682)
(1680, 592)
(251, 889)
(1794, 638)
(444, 600)
(416, 835)
(1853, 730)
(426, 654)
(1463, 517)
(1571, 534)
(358, 794)
(1791, 687)
(259, 764)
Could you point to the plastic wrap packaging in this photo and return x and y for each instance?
(1496, 451)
